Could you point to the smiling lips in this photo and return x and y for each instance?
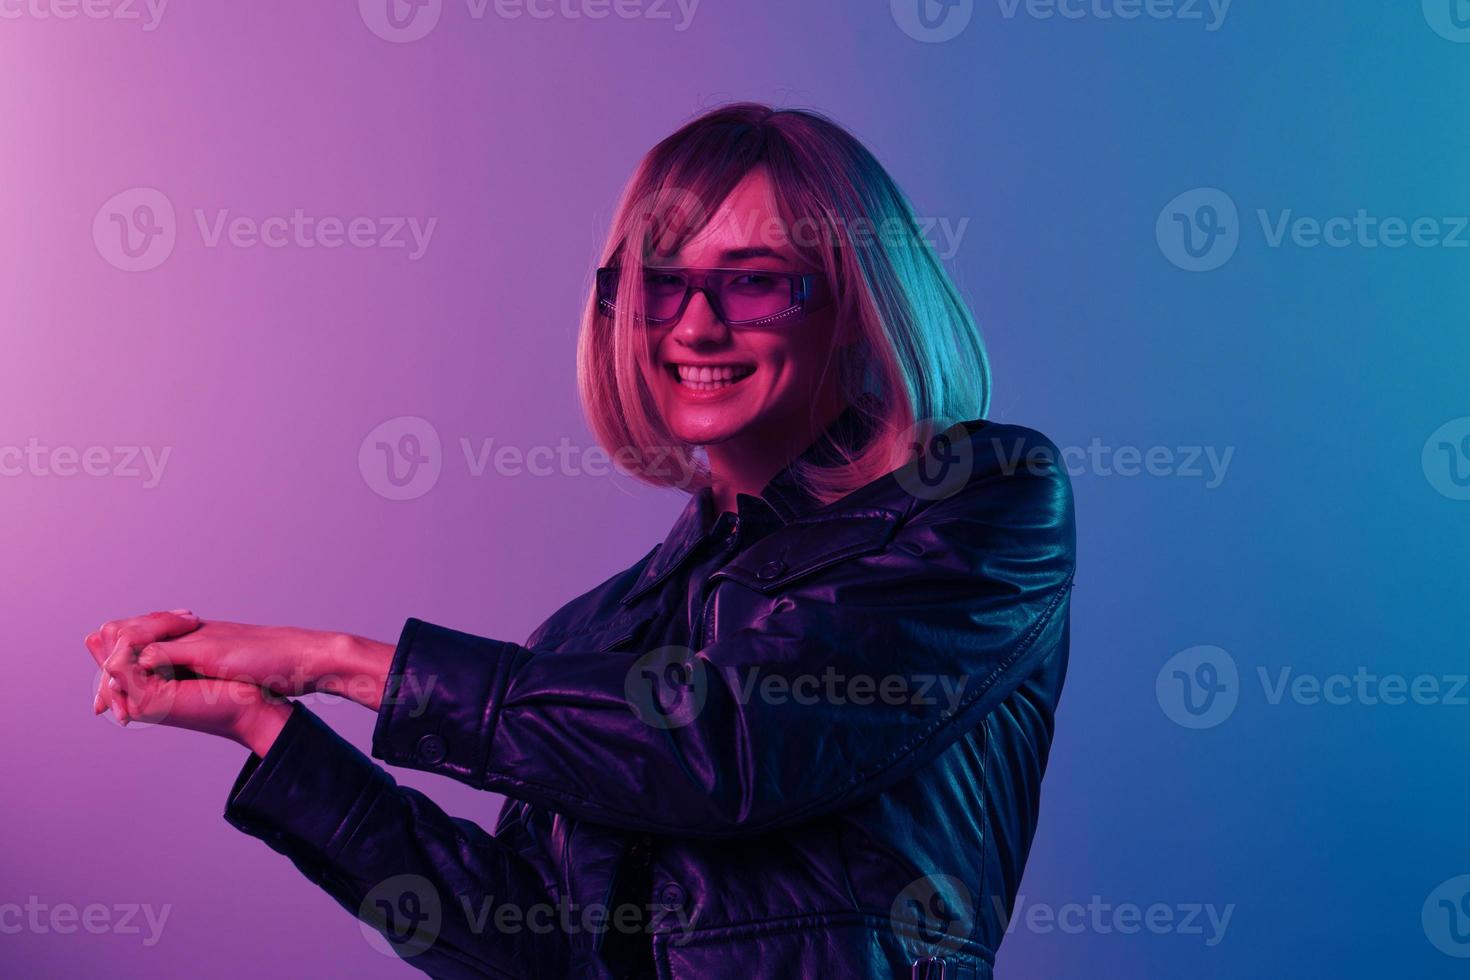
(706, 377)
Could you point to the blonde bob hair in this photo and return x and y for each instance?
(917, 358)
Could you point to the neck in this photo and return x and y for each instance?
(746, 463)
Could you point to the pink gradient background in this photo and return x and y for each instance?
(262, 370)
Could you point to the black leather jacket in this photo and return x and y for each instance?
(835, 773)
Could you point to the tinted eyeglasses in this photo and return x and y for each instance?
(739, 297)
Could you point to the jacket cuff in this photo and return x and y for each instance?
(441, 701)
(308, 794)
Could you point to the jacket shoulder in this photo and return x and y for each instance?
(982, 463)
(1031, 468)
(1005, 449)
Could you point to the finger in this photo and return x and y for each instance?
(162, 625)
(148, 627)
(96, 646)
(116, 700)
(119, 656)
(112, 668)
(119, 668)
(99, 652)
(207, 705)
(180, 658)
(135, 632)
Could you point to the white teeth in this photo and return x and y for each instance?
(705, 377)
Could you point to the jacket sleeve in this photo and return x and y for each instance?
(793, 718)
(425, 885)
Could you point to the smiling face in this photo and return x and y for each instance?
(746, 393)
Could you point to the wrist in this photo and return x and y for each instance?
(353, 667)
(261, 725)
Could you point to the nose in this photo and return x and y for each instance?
(699, 327)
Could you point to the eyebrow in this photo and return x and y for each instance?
(749, 252)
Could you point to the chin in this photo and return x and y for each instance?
(700, 429)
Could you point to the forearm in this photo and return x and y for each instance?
(349, 666)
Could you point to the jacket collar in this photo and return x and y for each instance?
(782, 501)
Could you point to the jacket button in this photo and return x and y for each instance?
(672, 896)
(432, 750)
(770, 570)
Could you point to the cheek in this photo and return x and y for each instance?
(648, 365)
(795, 365)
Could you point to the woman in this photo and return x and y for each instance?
(802, 736)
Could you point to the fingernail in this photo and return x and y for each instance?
(184, 612)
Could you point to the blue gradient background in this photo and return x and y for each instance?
(1326, 548)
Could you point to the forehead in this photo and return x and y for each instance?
(747, 223)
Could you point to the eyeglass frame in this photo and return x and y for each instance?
(809, 293)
